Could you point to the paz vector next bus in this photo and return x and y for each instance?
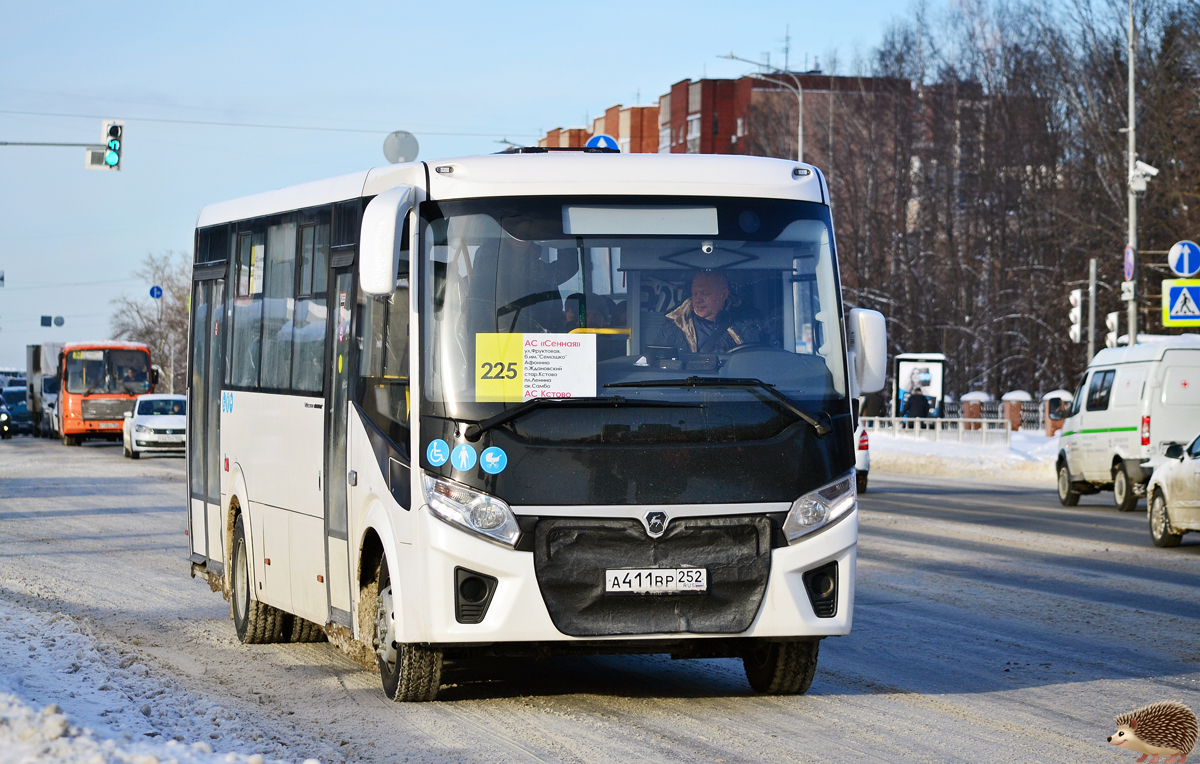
(532, 403)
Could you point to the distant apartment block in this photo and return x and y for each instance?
(635, 129)
(748, 115)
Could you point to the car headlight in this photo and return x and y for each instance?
(471, 510)
(821, 508)
(3, 417)
(141, 428)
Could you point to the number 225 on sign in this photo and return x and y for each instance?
(499, 375)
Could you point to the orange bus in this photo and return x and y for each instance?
(98, 382)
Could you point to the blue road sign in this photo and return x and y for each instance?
(156, 291)
(1129, 253)
(463, 458)
(1184, 258)
(602, 141)
(437, 453)
(1181, 302)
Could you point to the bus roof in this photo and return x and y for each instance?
(553, 173)
(105, 344)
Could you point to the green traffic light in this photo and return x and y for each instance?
(114, 144)
(111, 158)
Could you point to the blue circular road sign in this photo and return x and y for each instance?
(1184, 258)
(602, 141)
(156, 291)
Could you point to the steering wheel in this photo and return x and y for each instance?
(752, 346)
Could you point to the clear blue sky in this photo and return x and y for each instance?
(460, 76)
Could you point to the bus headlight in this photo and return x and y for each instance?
(820, 508)
(471, 510)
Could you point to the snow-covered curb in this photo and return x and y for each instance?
(65, 697)
(1030, 458)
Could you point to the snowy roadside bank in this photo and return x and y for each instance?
(1030, 458)
(65, 697)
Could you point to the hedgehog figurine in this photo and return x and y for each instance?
(1160, 729)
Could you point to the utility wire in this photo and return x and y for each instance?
(208, 123)
(25, 143)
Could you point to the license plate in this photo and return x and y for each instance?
(655, 580)
(113, 425)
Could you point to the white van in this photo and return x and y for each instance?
(1131, 404)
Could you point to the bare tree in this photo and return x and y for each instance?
(160, 323)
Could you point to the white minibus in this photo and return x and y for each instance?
(1131, 404)
(534, 403)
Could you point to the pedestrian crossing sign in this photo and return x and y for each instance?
(1181, 302)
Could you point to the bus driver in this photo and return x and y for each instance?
(705, 323)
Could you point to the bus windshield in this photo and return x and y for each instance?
(551, 298)
(668, 322)
(108, 371)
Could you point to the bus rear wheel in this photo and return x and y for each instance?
(71, 440)
(255, 622)
(411, 673)
(781, 668)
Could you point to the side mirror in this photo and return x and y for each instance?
(1054, 409)
(868, 349)
(380, 242)
(1174, 451)
(154, 376)
(128, 414)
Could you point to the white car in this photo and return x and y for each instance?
(1174, 492)
(862, 456)
(155, 425)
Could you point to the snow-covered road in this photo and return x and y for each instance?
(991, 625)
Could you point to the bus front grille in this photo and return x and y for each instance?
(106, 408)
(571, 556)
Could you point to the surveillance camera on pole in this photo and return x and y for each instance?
(1141, 175)
(1113, 322)
(1076, 314)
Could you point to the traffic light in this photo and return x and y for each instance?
(114, 143)
(1076, 314)
(1113, 322)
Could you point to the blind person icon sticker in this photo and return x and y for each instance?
(437, 453)
(463, 458)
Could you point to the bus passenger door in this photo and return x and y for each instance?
(204, 416)
(341, 360)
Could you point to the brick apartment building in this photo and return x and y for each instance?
(635, 129)
(743, 116)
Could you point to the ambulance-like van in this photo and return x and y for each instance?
(1132, 403)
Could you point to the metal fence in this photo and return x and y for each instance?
(957, 429)
(1033, 413)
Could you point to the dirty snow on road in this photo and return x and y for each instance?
(991, 625)
(1030, 457)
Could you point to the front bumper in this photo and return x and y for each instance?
(518, 611)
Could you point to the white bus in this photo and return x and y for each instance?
(528, 404)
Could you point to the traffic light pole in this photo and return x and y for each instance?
(72, 145)
(1091, 310)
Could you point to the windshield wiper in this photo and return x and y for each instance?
(475, 431)
(744, 383)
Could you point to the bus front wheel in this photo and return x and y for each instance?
(781, 668)
(411, 673)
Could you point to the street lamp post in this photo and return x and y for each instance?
(795, 88)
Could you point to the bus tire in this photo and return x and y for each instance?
(297, 629)
(1067, 495)
(255, 622)
(1160, 523)
(71, 440)
(781, 668)
(1123, 495)
(411, 673)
